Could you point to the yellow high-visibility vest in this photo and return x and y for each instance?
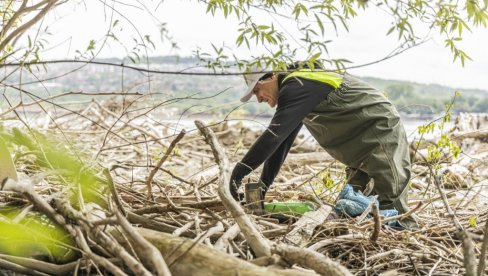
(331, 78)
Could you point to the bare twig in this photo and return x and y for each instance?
(19, 268)
(147, 252)
(377, 223)
(113, 191)
(224, 241)
(41, 266)
(160, 163)
(218, 228)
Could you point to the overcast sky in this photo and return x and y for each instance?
(191, 27)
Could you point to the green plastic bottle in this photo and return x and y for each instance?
(291, 208)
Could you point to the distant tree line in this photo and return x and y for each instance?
(404, 96)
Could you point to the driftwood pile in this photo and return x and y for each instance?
(164, 207)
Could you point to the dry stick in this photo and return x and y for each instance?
(443, 195)
(94, 257)
(397, 252)
(161, 209)
(156, 138)
(377, 223)
(311, 259)
(149, 254)
(443, 248)
(356, 237)
(484, 247)
(18, 268)
(152, 224)
(366, 212)
(183, 228)
(397, 217)
(26, 188)
(113, 191)
(468, 250)
(202, 186)
(259, 244)
(101, 238)
(160, 163)
(177, 177)
(10, 109)
(224, 241)
(45, 267)
(218, 228)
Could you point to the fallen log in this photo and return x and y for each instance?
(185, 257)
(475, 134)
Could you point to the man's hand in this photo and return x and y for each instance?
(239, 172)
(234, 186)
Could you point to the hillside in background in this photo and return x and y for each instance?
(420, 98)
(215, 94)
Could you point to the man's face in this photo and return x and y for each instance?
(267, 91)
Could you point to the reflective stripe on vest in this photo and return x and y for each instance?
(332, 79)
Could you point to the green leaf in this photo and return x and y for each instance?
(390, 30)
(91, 45)
(319, 22)
(315, 57)
(472, 222)
(148, 39)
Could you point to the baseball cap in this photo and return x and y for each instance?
(251, 81)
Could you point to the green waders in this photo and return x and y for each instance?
(359, 127)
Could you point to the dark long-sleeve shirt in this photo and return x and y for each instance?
(297, 98)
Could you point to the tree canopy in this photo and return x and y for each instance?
(449, 18)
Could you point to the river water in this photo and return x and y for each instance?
(410, 125)
(255, 123)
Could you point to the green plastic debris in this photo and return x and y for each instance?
(291, 208)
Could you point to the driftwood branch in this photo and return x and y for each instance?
(311, 259)
(258, 243)
(103, 239)
(224, 241)
(19, 268)
(45, 267)
(26, 188)
(149, 255)
(113, 190)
